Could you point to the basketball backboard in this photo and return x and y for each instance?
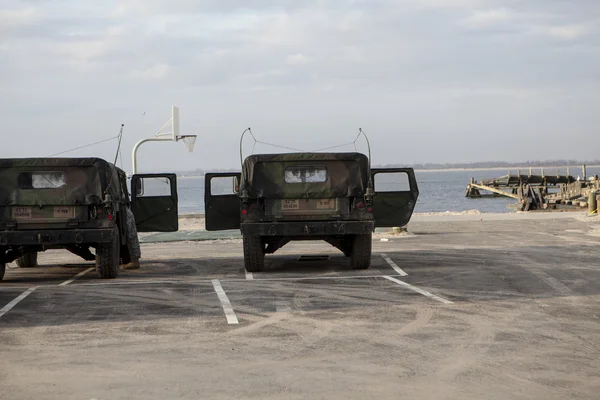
(172, 124)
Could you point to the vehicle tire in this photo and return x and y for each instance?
(254, 253)
(107, 257)
(361, 252)
(2, 270)
(28, 260)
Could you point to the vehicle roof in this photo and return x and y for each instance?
(55, 162)
(286, 157)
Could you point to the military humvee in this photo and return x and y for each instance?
(333, 197)
(78, 204)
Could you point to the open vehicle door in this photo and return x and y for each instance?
(222, 201)
(396, 194)
(154, 202)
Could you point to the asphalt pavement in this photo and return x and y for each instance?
(458, 309)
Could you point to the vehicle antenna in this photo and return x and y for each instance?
(119, 144)
(120, 136)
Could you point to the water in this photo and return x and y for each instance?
(439, 191)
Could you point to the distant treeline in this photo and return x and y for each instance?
(496, 164)
(425, 166)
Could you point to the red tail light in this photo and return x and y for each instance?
(370, 210)
(360, 205)
(110, 217)
(244, 211)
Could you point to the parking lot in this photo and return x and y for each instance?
(476, 309)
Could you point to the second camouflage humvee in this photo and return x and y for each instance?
(335, 197)
(78, 204)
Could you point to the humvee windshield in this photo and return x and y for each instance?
(41, 180)
(305, 174)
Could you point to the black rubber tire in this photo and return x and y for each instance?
(29, 260)
(107, 257)
(361, 251)
(254, 253)
(2, 270)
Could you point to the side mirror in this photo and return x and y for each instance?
(139, 187)
(236, 184)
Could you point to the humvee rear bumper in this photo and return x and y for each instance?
(55, 237)
(304, 228)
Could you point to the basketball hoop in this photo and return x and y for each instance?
(189, 140)
(165, 134)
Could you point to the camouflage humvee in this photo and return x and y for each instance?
(309, 196)
(77, 204)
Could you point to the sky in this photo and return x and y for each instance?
(437, 81)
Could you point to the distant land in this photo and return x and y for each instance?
(572, 164)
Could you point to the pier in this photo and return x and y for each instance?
(540, 191)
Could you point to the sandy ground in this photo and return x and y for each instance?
(195, 222)
(460, 309)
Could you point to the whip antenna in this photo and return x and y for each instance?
(116, 157)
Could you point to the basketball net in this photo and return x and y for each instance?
(190, 141)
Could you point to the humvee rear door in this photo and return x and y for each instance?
(221, 201)
(154, 202)
(396, 194)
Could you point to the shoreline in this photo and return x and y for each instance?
(192, 226)
(195, 221)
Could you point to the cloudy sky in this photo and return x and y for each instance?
(428, 80)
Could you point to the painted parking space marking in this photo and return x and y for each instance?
(249, 276)
(225, 303)
(393, 265)
(192, 281)
(16, 301)
(418, 290)
(79, 275)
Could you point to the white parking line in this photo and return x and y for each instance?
(418, 290)
(16, 301)
(192, 281)
(249, 276)
(227, 308)
(393, 265)
(76, 276)
(191, 233)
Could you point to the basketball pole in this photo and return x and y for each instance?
(139, 143)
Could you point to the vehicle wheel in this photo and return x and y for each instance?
(107, 257)
(361, 252)
(254, 254)
(28, 260)
(2, 270)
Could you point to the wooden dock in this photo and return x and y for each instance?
(537, 191)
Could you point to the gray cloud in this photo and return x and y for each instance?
(433, 80)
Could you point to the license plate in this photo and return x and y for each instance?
(63, 212)
(290, 204)
(325, 204)
(21, 212)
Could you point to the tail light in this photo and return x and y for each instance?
(360, 205)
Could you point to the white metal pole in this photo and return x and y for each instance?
(154, 139)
